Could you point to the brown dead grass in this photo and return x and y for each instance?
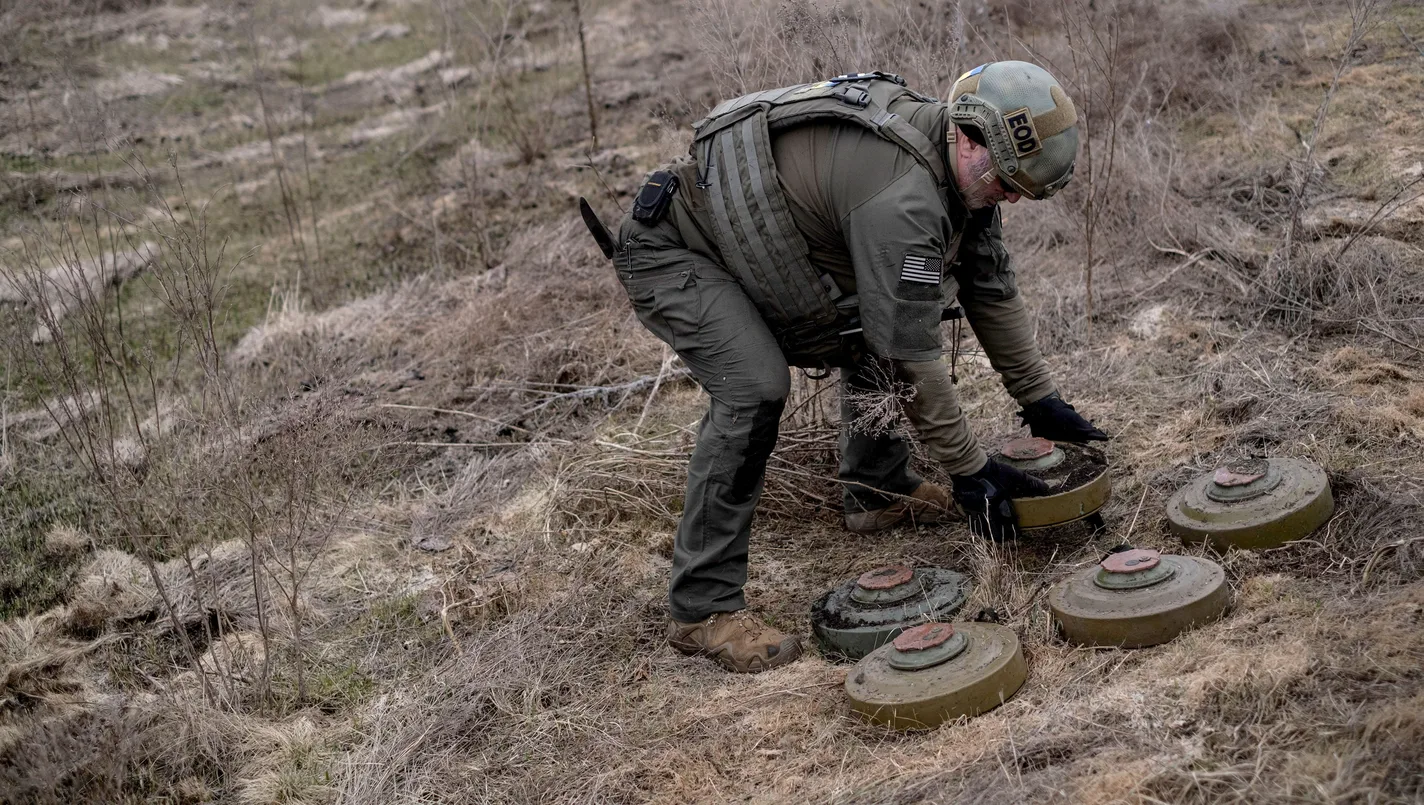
(482, 604)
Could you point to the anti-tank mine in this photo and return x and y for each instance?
(1138, 597)
(1077, 478)
(1252, 505)
(937, 672)
(863, 613)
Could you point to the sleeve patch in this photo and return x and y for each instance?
(921, 269)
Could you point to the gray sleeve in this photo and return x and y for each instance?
(1005, 331)
(897, 240)
(938, 420)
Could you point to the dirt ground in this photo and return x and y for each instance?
(334, 466)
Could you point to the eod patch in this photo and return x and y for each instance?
(1022, 132)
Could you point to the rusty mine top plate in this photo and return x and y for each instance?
(1252, 505)
(984, 666)
(885, 578)
(1078, 481)
(1138, 598)
(863, 613)
(1031, 453)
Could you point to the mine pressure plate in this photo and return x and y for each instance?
(1077, 477)
(937, 672)
(1252, 504)
(1138, 598)
(866, 612)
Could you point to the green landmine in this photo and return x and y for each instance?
(1138, 598)
(1252, 505)
(937, 672)
(866, 612)
(1077, 474)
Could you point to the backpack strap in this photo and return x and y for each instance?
(752, 221)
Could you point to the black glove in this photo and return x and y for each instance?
(985, 499)
(1052, 418)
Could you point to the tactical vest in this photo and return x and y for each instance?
(751, 220)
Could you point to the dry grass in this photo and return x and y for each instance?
(405, 539)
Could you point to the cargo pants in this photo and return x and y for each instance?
(695, 306)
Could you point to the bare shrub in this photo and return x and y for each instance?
(1362, 20)
(1375, 284)
(880, 407)
(267, 485)
(301, 226)
(768, 43)
(511, 102)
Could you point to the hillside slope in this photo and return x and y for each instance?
(335, 467)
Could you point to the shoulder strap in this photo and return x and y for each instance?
(750, 218)
(861, 98)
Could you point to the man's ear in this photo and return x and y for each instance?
(965, 151)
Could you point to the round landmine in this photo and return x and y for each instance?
(864, 613)
(937, 672)
(1252, 504)
(1138, 598)
(1077, 478)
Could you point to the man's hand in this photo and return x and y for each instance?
(1052, 418)
(985, 498)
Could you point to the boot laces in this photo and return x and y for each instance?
(743, 620)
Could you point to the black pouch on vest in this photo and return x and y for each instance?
(654, 198)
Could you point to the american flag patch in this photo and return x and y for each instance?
(925, 270)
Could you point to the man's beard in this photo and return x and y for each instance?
(975, 191)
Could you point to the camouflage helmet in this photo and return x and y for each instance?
(1027, 120)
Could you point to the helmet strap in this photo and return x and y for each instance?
(957, 146)
(987, 179)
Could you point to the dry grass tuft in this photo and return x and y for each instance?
(116, 589)
(510, 717)
(34, 661)
(291, 763)
(66, 541)
(113, 588)
(1375, 283)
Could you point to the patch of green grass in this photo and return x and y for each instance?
(396, 613)
(150, 333)
(357, 258)
(32, 577)
(331, 687)
(122, 53)
(192, 99)
(19, 162)
(148, 337)
(516, 114)
(332, 55)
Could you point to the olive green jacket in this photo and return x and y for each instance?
(876, 222)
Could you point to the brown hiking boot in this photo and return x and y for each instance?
(929, 504)
(737, 641)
